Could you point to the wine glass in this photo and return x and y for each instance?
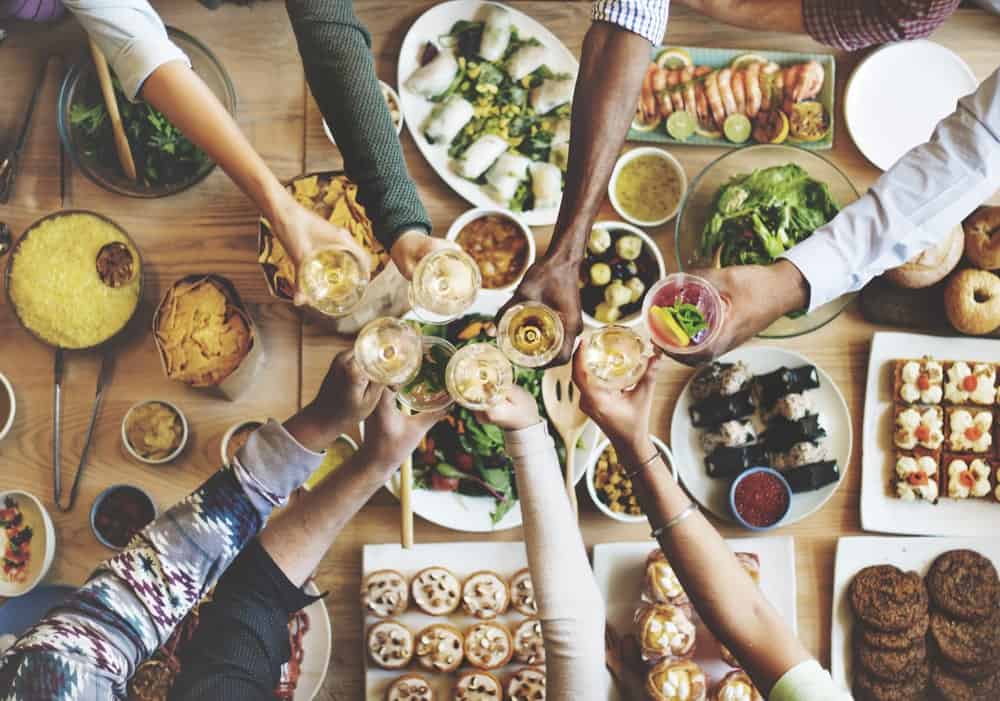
(478, 376)
(389, 351)
(428, 391)
(616, 356)
(445, 283)
(530, 334)
(333, 279)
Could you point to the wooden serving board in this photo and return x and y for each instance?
(884, 303)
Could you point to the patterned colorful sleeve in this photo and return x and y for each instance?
(647, 18)
(855, 24)
(89, 647)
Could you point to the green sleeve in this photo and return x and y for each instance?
(807, 682)
(336, 54)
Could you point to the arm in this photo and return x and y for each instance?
(759, 15)
(336, 53)
(570, 606)
(603, 107)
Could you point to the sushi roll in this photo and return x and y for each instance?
(792, 407)
(481, 154)
(729, 462)
(525, 61)
(720, 379)
(782, 434)
(716, 410)
(808, 478)
(729, 434)
(496, 33)
(800, 454)
(552, 93)
(434, 77)
(774, 385)
(447, 119)
(546, 185)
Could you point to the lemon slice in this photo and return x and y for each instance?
(770, 127)
(741, 62)
(707, 132)
(674, 58)
(737, 128)
(808, 122)
(336, 455)
(681, 125)
(639, 125)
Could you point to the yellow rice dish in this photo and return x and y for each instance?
(57, 290)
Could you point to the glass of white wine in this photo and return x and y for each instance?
(428, 390)
(478, 376)
(616, 356)
(531, 334)
(445, 283)
(389, 351)
(333, 280)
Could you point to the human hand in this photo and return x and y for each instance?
(391, 436)
(554, 283)
(411, 247)
(754, 296)
(515, 411)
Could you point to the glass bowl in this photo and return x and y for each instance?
(700, 195)
(80, 86)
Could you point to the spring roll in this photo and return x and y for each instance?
(560, 134)
(525, 61)
(546, 184)
(447, 119)
(559, 156)
(434, 77)
(552, 93)
(496, 34)
(480, 155)
(505, 175)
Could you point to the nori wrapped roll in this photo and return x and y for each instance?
(817, 475)
(782, 434)
(716, 410)
(729, 462)
(774, 385)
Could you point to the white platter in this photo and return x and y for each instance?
(619, 570)
(713, 493)
(472, 514)
(317, 644)
(461, 558)
(897, 95)
(436, 22)
(880, 510)
(907, 554)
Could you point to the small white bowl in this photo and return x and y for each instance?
(6, 386)
(229, 434)
(479, 212)
(399, 108)
(635, 318)
(632, 155)
(180, 446)
(592, 468)
(46, 549)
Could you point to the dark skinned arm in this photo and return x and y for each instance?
(760, 15)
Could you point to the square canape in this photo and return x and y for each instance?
(917, 426)
(915, 475)
(969, 382)
(966, 476)
(969, 429)
(918, 381)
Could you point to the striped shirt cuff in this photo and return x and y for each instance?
(647, 18)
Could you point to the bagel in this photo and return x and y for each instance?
(930, 266)
(972, 301)
(982, 238)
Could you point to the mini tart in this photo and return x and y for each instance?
(410, 687)
(529, 646)
(436, 591)
(919, 381)
(676, 680)
(522, 594)
(736, 686)
(485, 595)
(439, 648)
(477, 685)
(384, 593)
(527, 684)
(488, 645)
(968, 476)
(664, 631)
(390, 645)
(970, 430)
(661, 583)
(915, 476)
(918, 427)
(970, 383)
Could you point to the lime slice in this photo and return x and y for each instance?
(737, 128)
(639, 125)
(681, 125)
(672, 59)
(741, 62)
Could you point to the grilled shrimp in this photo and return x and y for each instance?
(677, 95)
(739, 92)
(725, 77)
(700, 71)
(753, 89)
(665, 103)
(810, 81)
(659, 79)
(714, 98)
(701, 100)
(690, 99)
(647, 99)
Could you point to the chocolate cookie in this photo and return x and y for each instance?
(886, 598)
(868, 688)
(973, 672)
(890, 665)
(965, 643)
(952, 688)
(896, 641)
(964, 584)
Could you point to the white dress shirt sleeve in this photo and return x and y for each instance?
(131, 36)
(647, 18)
(913, 206)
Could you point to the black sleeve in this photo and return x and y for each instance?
(242, 635)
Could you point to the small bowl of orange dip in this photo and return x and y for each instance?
(500, 243)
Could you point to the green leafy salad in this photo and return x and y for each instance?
(162, 155)
(462, 455)
(757, 217)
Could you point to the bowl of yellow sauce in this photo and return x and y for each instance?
(647, 186)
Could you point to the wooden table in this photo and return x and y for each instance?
(211, 229)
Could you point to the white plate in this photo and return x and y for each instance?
(460, 512)
(619, 570)
(713, 493)
(461, 558)
(897, 95)
(908, 554)
(880, 511)
(436, 22)
(318, 646)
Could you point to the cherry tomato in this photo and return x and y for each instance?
(924, 382)
(923, 433)
(969, 383)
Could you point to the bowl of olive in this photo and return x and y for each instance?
(620, 264)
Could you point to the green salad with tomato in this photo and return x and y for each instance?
(463, 455)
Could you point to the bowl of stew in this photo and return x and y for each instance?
(500, 243)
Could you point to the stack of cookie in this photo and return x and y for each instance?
(964, 627)
(890, 649)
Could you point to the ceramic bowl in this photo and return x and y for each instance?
(732, 498)
(180, 446)
(43, 543)
(592, 469)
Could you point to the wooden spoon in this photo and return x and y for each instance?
(405, 498)
(108, 90)
(562, 403)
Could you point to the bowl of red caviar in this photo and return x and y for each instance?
(760, 499)
(27, 542)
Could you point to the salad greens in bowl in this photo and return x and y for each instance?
(751, 205)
